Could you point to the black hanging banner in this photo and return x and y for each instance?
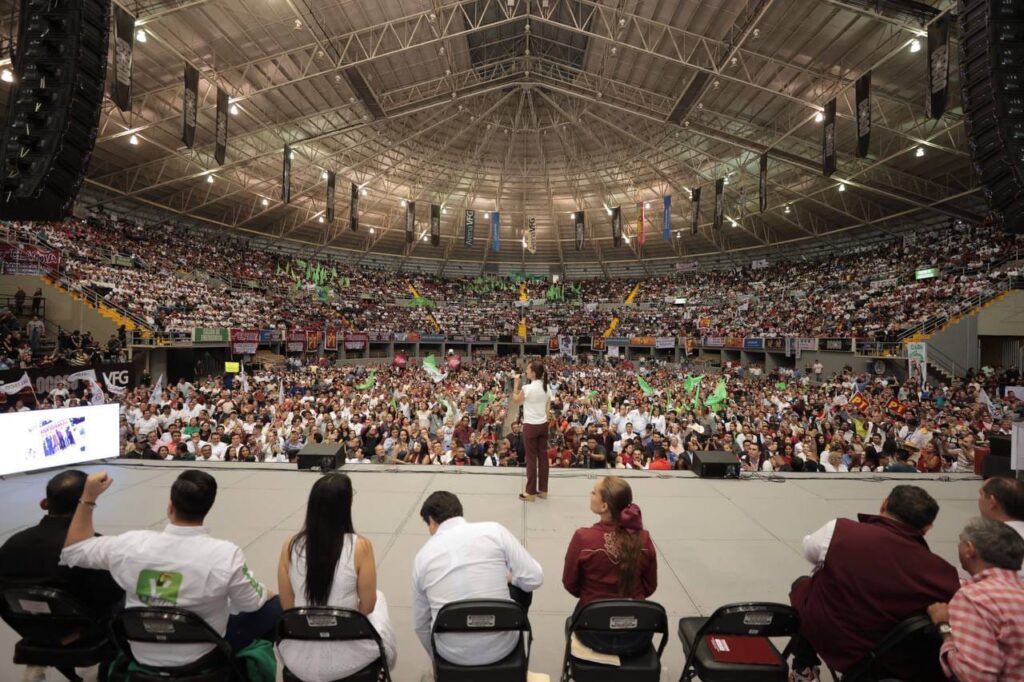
(286, 175)
(828, 140)
(189, 106)
(938, 66)
(435, 225)
(331, 180)
(763, 183)
(863, 115)
(222, 126)
(695, 220)
(617, 225)
(719, 203)
(469, 227)
(580, 227)
(353, 207)
(124, 45)
(410, 222)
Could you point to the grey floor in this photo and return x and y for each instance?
(717, 541)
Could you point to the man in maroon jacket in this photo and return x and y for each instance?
(870, 575)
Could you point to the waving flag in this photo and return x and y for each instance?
(430, 367)
(154, 397)
(718, 396)
(644, 386)
(371, 381)
(17, 386)
(693, 383)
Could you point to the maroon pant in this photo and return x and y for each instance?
(535, 442)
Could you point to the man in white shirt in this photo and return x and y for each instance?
(181, 566)
(1002, 499)
(148, 423)
(463, 560)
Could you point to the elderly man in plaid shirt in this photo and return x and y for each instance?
(983, 624)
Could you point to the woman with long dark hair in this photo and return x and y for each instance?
(327, 564)
(536, 414)
(613, 559)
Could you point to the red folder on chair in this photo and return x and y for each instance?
(741, 649)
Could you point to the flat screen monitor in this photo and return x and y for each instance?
(42, 439)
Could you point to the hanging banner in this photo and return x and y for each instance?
(435, 225)
(286, 175)
(719, 203)
(295, 341)
(938, 66)
(188, 109)
(353, 207)
(468, 228)
(331, 339)
(495, 232)
(356, 341)
(244, 341)
(313, 341)
(531, 235)
(763, 184)
(917, 362)
(863, 114)
(640, 220)
(579, 228)
(828, 140)
(410, 222)
(220, 151)
(124, 45)
(331, 180)
(617, 225)
(666, 218)
(695, 220)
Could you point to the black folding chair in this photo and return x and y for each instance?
(751, 619)
(612, 617)
(318, 624)
(173, 626)
(915, 643)
(480, 616)
(56, 631)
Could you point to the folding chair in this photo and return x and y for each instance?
(915, 641)
(483, 616)
(617, 616)
(319, 624)
(752, 619)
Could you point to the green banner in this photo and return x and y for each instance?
(210, 335)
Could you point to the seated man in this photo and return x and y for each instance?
(1002, 499)
(983, 626)
(180, 566)
(463, 560)
(870, 575)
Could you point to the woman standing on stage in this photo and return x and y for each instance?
(536, 402)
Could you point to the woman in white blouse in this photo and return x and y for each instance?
(536, 407)
(327, 564)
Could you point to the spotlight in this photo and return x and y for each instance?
(265, 202)
(919, 152)
(915, 45)
(364, 192)
(819, 117)
(323, 175)
(425, 237)
(734, 223)
(7, 76)
(140, 36)
(320, 219)
(133, 140)
(372, 231)
(842, 187)
(625, 238)
(298, 24)
(647, 204)
(788, 209)
(608, 210)
(487, 214)
(291, 156)
(403, 202)
(234, 110)
(444, 211)
(209, 179)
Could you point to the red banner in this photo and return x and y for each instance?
(26, 259)
(356, 341)
(244, 341)
(896, 406)
(597, 343)
(296, 341)
(331, 339)
(313, 341)
(858, 401)
(642, 340)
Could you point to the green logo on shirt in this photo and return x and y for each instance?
(158, 588)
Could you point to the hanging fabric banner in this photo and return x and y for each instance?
(938, 66)
(828, 140)
(469, 227)
(435, 225)
(695, 220)
(188, 116)
(640, 220)
(579, 228)
(410, 222)
(617, 225)
(330, 196)
(763, 184)
(353, 207)
(531, 235)
(222, 126)
(495, 232)
(286, 175)
(719, 203)
(863, 114)
(666, 218)
(124, 46)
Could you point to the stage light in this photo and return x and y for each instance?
(487, 214)
(788, 209)
(919, 152)
(842, 187)
(364, 192)
(403, 202)
(915, 45)
(372, 230)
(209, 179)
(291, 155)
(425, 237)
(323, 175)
(819, 117)
(444, 210)
(265, 202)
(133, 140)
(6, 76)
(234, 110)
(140, 36)
(625, 238)
(608, 210)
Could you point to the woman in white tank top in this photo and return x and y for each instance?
(327, 564)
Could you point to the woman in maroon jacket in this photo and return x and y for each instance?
(613, 559)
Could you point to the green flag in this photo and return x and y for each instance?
(394, 405)
(371, 381)
(644, 386)
(668, 400)
(692, 383)
(485, 400)
(781, 385)
(610, 406)
(592, 394)
(718, 396)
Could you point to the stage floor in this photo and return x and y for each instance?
(718, 541)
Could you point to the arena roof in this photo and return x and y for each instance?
(538, 108)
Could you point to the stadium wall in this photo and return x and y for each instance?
(61, 308)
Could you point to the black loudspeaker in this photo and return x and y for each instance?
(992, 86)
(54, 107)
(715, 464)
(323, 456)
(999, 445)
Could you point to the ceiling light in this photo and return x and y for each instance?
(757, 33)
(487, 214)
(622, 22)
(819, 117)
(608, 210)
(524, 242)
(735, 61)
(6, 76)
(234, 110)
(372, 230)
(447, 72)
(291, 156)
(444, 210)
(424, 237)
(842, 187)
(209, 179)
(140, 36)
(647, 204)
(320, 219)
(265, 202)
(679, 233)
(788, 209)
(625, 238)
(364, 192)
(337, 78)
(440, 50)
(298, 24)
(432, 17)
(920, 151)
(527, 27)
(734, 223)
(614, 51)
(403, 202)
(323, 176)
(133, 140)
(715, 84)
(915, 45)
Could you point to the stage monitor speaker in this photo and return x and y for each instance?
(323, 456)
(996, 466)
(999, 445)
(992, 88)
(715, 464)
(54, 107)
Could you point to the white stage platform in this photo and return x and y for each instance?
(718, 541)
